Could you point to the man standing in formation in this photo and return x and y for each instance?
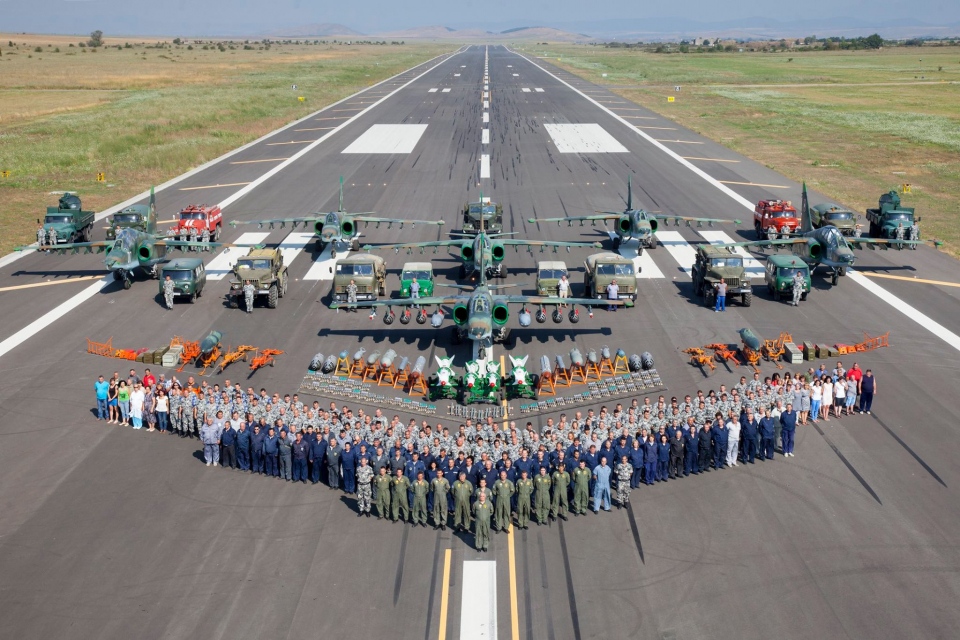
(399, 498)
(613, 293)
(41, 236)
(524, 492)
(440, 487)
(543, 495)
(364, 488)
(482, 512)
(503, 491)
(415, 292)
(384, 484)
(462, 491)
(561, 482)
(601, 487)
(352, 294)
(624, 474)
(210, 436)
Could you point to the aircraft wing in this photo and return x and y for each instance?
(549, 243)
(545, 300)
(362, 217)
(181, 244)
(765, 243)
(74, 247)
(861, 243)
(402, 302)
(689, 219)
(410, 246)
(306, 221)
(604, 215)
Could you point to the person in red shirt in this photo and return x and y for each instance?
(148, 379)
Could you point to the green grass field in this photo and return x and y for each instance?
(852, 124)
(143, 115)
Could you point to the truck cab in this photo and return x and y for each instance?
(885, 219)
(368, 272)
(134, 216)
(490, 213)
(422, 272)
(69, 220)
(189, 277)
(200, 217)
(779, 272)
(823, 215)
(775, 216)
(714, 263)
(600, 269)
(549, 273)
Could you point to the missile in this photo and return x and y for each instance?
(750, 339)
(209, 343)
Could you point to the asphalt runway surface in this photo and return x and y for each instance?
(111, 533)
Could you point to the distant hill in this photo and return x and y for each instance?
(436, 32)
(322, 29)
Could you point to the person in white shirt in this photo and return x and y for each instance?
(839, 395)
(816, 396)
(733, 440)
(827, 398)
(563, 288)
(136, 405)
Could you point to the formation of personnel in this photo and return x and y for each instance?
(488, 476)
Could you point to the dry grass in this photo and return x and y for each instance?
(852, 124)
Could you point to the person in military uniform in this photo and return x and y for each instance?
(248, 291)
(364, 488)
(205, 238)
(52, 237)
(193, 237)
(420, 490)
(352, 294)
(482, 510)
(581, 488)
(440, 487)
(772, 232)
(384, 482)
(41, 235)
(858, 230)
(168, 292)
(624, 473)
(561, 484)
(503, 491)
(798, 282)
(542, 497)
(462, 491)
(524, 491)
(914, 233)
(899, 235)
(176, 401)
(399, 488)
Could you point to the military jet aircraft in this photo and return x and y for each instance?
(825, 246)
(133, 248)
(480, 315)
(484, 252)
(633, 223)
(337, 228)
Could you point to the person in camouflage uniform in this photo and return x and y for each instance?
(440, 487)
(205, 237)
(384, 483)
(352, 294)
(542, 497)
(52, 237)
(420, 490)
(914, 233)
(194, 236)
(503, 491)
(399, 487)
(364, 487)
(624, 472)
(899, 235)
(798, 282)
(176, 401)
(41, 236)
(168, 292)
(581, 488)
(248, 291)
(561, 484)
(524, 492)
(482, 511)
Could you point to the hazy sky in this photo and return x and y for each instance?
(212, 17)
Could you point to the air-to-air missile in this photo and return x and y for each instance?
(209, 343)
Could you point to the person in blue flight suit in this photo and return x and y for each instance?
(593, 460)
(256, 448)
(301, 452)
(228, 443)
(788, 420)
(749, 430)
(318, 449)
(663, 458)
(243, 447)
(412, 467)
(677, 451)
(349, 463)
(635, 456)
(650, 457)
(690, 462)
(705, 447)
(720, 436)
(767, 431)
(270, 449)
(601, 488)
(623, 447)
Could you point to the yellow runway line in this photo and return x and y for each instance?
(277, 144)
(316, 129)
(214, 186)
(707, 159)
(514, 609)
(444, 595)
(49, 283)
(940, 283)
(255, 161)
(755, 184)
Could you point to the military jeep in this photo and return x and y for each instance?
(189, 277)
(422, 272)
(265, 268)
(491, 215)
(714, 263)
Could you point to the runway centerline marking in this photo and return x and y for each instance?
(387, 138)
(49, 282)
(755, 184)
(485, 165)
(485, 137)
(478, 607)
(214, 186)
(256, 161)
(940, 283)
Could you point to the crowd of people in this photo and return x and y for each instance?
(489, 474)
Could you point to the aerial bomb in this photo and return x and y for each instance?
(541, 315)
(419, 365)
(209, 343)
(422, 316)
(330, 363)
(576, 358)
(544, 364)
(404, 361)
(435, 320)
(524, 318)
(389, 317)
(317, 362)
(405, 316)
(646, 359)
(557, 316)
(605, 352)
(592, 357)
(574, 316)
(560, 364)
(359, 354)
(373, 358)
(621, 353)
(387, 360)
(635, 363)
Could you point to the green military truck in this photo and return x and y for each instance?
(368, 272)
(135, 216)
(422, 272)
(823, 215)
(490, 213)
(265, 268)
(885, 219)
(779, 272)
(715, 262)
(69, 220)
(549, 273)
(189, 277)
(601, 269)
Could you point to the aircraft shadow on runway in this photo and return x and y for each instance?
(426, 338)
(75, 273)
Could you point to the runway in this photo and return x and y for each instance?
(111, 533)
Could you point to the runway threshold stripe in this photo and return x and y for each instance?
(680, 249)
(753, 266)
(571, 596)
(478, 605)
(293, 244)
(445, 595)
(847, 463)
(52, 316)
(910, 451)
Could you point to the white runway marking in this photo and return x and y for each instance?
(485, 166)
(456, 75)
(538, 90)
(583, 138)
(478, 609)
(680, 249)
(388, 138)
(516, 75)
(293, 244)
(446, 90)
(223, 263)
(434, 90)
(486, 94)
(648, 268)
(485, 136)
(322, 267)
(525, 89)
(52, 316)
(753, 266)
(486, 104)
(486, 117)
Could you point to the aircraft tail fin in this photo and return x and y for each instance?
(805, 222)
(629, 195)
(340, 209)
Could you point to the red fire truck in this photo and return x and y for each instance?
(200, 217)
(772, 218)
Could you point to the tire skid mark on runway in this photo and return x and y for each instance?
(849, 466)
(574, 614)
(910, 451)
(398, 581)
(636, 531)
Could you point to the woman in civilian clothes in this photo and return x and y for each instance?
(123, 397)
(804, 403)
(827, 400)
(839, 395)
(112, 403)
(816, 396)
(162, 407)
(149, 406)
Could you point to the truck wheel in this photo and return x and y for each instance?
(88, 233)
(708, 298)
(333, 252)
(747, 299)
(272, 296)
(355, 245)
(776, 295)
(193, 298)
(803, 296)
(616, 242)
(697, 287)
(233, 302)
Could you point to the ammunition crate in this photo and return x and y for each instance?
(809, 351)
(792, 353)
(823, 351)
(158, 356)
(171, 358)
